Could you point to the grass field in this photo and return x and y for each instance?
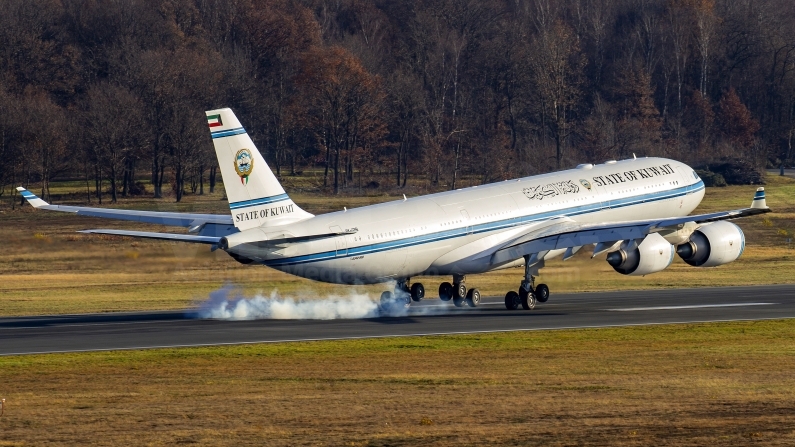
(48, 268)
(706, 384)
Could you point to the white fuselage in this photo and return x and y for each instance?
(456, 232)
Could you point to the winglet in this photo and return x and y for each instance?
(759, 199)
(33, 199)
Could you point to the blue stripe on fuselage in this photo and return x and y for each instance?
(489, 226)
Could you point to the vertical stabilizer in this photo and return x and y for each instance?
(255, 196)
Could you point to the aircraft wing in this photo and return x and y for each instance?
(154, 217)
(571, 235)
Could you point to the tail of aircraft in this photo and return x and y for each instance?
(255, 196)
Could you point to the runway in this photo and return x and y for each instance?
(96, 332)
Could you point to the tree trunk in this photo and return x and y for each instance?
(159, 184)
(88, 183)
(201, 180)
(336, 170)
(125, 182)
(455, 165)
(213, 170)
(399, 161)
(179, 182)
(113, 195)
(328, 162)
(98, 183)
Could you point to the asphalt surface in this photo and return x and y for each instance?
(93, 332)
(787, 172)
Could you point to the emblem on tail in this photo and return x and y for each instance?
(244, 164)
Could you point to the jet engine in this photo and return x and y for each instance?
(713, 244)
(652, 255)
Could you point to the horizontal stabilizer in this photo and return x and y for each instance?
(162, 236)
(152, 217)
(312, 237)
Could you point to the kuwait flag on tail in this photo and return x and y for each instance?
(214, 121)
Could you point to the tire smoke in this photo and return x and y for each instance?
(227, 304)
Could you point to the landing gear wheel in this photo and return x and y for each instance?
(386, 298)
(445, 291)
(403, 300)
(542, 293)
(511, 300)
(459, 302)
(393, 302)
(527, 299)
(417, 291)
(460, 290)
(473, 297)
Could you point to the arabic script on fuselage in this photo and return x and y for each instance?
(541, 192)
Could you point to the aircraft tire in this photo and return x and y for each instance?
(460, 290)
(417, 291)
(511, 300)
(473, 297)
(542, 293)
(527, 299)
(445, 291)
(459, 302)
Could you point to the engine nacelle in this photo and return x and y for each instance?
(652, 255)
(713, 244)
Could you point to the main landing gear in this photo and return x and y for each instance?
(402, 296)
(457, 291)
(528, 293)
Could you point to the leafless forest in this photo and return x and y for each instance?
(109, 92)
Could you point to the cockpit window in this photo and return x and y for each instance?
(695, 175)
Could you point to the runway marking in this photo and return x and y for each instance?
(693, 306)
(368, 337)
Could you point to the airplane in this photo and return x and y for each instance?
(635, 210)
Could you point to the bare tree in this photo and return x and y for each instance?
(114, 131)
(557, 71)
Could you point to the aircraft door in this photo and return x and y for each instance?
(465, 215)
(600, 194)
(341, 243)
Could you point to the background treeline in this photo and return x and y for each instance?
(111, 91)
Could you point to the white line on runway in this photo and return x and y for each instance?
(694, 306)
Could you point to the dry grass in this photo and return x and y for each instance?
(725, 384)
(47, 268)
